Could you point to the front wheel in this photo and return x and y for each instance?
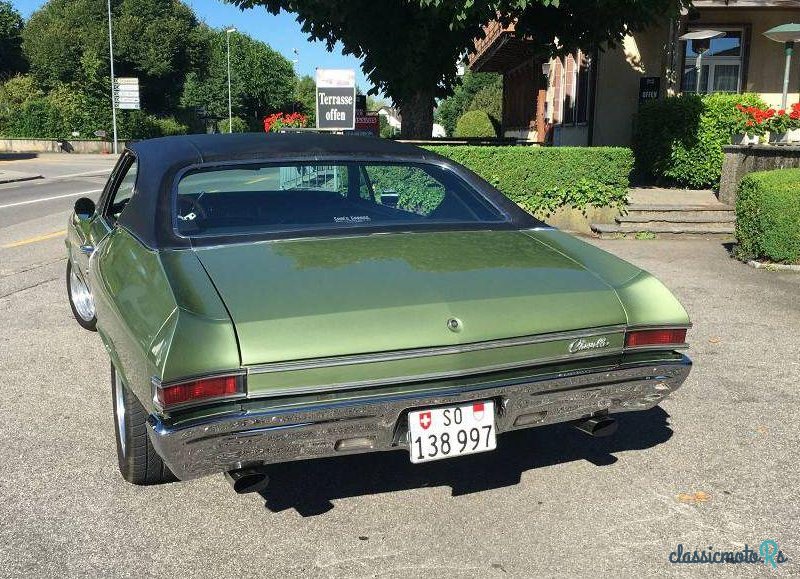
(138, 461)
(80, 298)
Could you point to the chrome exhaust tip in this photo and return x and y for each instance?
(247, 480)
(597, 426)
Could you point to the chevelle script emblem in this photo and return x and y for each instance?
(582, 344)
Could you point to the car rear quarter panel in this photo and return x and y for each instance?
(158, 314)
(647, 302)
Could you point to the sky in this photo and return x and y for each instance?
(281, 32)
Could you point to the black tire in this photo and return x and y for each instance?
(138, 461)
(86, 321)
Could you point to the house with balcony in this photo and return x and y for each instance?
(591, 97)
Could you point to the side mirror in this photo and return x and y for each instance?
(84, 208)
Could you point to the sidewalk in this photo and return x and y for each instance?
(14, 176)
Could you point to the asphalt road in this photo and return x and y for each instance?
(716, 465)
(66, 178)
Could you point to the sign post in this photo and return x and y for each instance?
(649, 88)
(126, 91)
(366, 124)
(336, 99)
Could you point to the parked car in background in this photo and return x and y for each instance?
(270, 298)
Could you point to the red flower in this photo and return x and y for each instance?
(278, 120)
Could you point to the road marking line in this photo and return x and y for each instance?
(17, 204)
(44, 237)
(258, 180)
(94, 173)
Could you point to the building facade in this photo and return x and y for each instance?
(591, 98)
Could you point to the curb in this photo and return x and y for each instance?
(773, 266)
(4, 180)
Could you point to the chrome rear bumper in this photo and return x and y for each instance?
(287, 431)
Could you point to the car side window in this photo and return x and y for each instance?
(122, 194)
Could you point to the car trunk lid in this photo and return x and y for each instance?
(342, 296)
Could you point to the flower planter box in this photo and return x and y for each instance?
(744, 139)
(786, 137)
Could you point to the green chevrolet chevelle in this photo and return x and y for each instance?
(269, 298)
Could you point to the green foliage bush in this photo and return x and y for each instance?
(768, 216)
(42, 118)
(475, 124)
(140, 125)
(679, 139)
(542, 179)
(475, 91)
(239, 125)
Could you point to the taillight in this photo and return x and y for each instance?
(200, 390)
(663, 337)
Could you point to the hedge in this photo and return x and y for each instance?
(45, 119)
(768, 216)
(542, 179)
(679, 139)
(475, 124)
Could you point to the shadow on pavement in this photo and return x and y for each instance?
(17, 156)
(310, 486)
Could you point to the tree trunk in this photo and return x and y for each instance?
(416, 112)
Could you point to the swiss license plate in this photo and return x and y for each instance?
(438, 433)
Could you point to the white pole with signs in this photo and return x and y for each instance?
(336, 99)
(113, 85)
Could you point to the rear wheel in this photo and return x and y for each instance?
(80, 299)
(138, 461)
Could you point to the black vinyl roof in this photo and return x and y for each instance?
(193, 149)
(148, 215)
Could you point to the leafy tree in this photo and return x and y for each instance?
(154, 40)
(489, 85)
(14, 94)
(305, 95)
(414, 61)
(18, 90)
(11, 59)
(385, 129)
(374, 103)
(262, 81)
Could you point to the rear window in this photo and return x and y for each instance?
(270, 197)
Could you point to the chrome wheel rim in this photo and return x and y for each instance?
(119, 405)
(81, 296)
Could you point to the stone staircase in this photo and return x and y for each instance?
(656, 213)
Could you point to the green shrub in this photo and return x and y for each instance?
(679, 139)
(239, 126)
(475, 124)
(768, 216)
(170, 126)
(542, 179)
(37, 119)
(490, 100)
(138, 125)
(61, 113)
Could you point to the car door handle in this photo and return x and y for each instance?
(87, 249)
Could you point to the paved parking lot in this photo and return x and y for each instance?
(714, 466)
